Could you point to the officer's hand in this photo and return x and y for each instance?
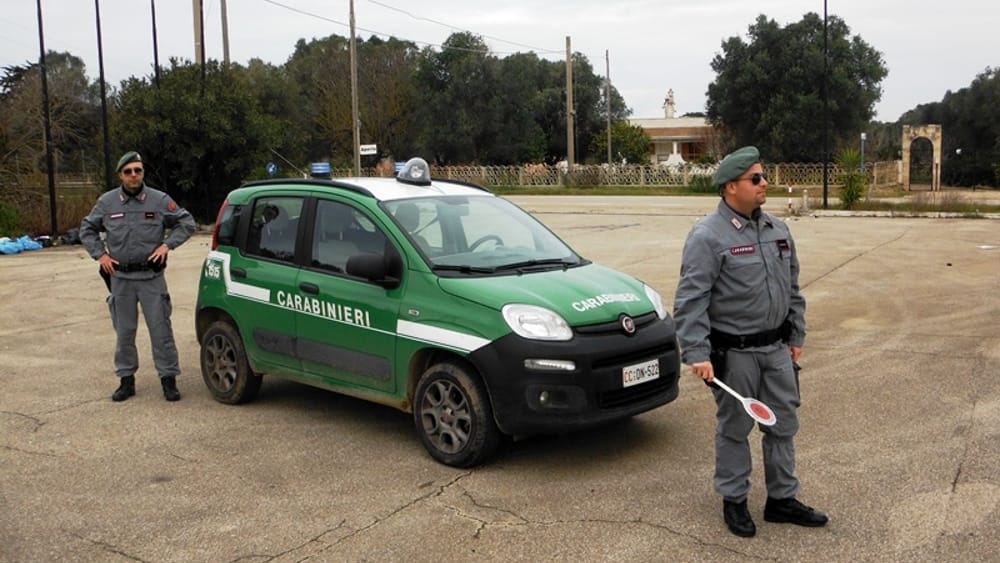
(796, 352)
(159, 255)
(704, 370)
(107, 263)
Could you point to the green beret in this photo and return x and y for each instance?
(130, 156)
(735, 164)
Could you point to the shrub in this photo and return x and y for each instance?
(10, 221)
(702, 184)
(852, 179)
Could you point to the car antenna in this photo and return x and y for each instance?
(301, 171)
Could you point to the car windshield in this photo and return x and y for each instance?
(477, 235)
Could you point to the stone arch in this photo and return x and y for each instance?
(933, 134)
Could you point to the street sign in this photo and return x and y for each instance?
(368, 150)
(272, 169)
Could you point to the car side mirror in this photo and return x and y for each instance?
(371, 267)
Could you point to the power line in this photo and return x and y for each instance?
(449, 26)
(389, 35)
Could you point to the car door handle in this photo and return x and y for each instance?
(309, 288)
(238, 272)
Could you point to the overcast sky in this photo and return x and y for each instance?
(929, 47)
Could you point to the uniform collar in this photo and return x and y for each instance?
(739, 220)
(140, 196)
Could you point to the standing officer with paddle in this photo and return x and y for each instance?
(740, 317)
(135, 218)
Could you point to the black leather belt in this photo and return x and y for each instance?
(723, 340)
(139, 267)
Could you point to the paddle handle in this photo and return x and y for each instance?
(726, 388)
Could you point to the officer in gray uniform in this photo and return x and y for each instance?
(134, 254)
(740, 317)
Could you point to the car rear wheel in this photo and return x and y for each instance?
(224, 365)
(453, 416)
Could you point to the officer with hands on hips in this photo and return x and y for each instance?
(741, 317)
(134, 218)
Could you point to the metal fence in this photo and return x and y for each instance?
(880, 174)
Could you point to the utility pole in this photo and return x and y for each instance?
(45, 122)
(607, 98)
(570, 112)
(104, 99)
(225, 32)
(826, 112)
(156, 49)
(199, 36)
(356, 127)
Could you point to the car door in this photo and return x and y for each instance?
(347, 332)
(264, 275)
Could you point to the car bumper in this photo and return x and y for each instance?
(530, 401)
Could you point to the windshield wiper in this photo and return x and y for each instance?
(564, 263)
(464, 268)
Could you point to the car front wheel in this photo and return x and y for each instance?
(224, 365)
(453, 416)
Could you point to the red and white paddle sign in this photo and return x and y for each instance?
(756, 409)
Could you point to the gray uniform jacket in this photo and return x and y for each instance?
(739, 276)
(135, 226)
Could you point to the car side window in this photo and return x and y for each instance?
(333, 243)
(274, 228)
(419, 218)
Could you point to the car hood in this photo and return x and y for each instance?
(584, 295)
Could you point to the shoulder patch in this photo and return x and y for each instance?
(171, 206)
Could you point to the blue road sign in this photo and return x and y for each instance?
(272, 169)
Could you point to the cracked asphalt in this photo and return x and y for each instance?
(900, 438)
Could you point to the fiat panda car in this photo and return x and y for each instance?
(434, 297)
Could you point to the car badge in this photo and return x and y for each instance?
(628, 325)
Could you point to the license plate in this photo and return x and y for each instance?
(640, 373)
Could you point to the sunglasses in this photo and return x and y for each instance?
(131, 171)
(755, 178)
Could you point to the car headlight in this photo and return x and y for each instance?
(536, 323)
(657, 301)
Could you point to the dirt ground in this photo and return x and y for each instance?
(900, 438)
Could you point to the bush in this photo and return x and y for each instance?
(10, 221)
(852, 180)
(702, 185)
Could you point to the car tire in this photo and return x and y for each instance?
(224, 365)
(453, 416)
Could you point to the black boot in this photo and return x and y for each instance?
(126, 388)
(791, 511)
(738, 518)
(170, 391)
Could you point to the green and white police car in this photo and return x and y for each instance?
(434, 297)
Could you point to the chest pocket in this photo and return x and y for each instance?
(742, 256)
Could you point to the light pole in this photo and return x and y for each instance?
(864, 136)
(826, 112)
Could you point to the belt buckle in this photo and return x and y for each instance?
(743, 341)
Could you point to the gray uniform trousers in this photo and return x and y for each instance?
(126, 295)
(767, 374)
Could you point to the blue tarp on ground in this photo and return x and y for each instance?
(13, 246)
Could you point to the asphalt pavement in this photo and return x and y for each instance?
(900, 437)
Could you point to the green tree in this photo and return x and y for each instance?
(628, 142)
(769, 91)
(520, 97)
(74, 117)
(199, 140)
(456, 109)
(970, 123)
